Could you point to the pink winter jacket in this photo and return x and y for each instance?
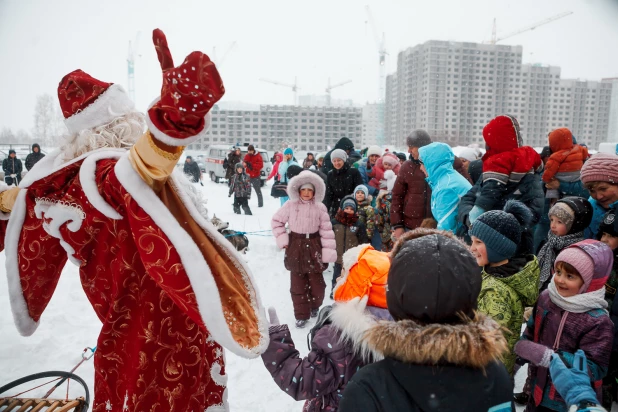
(275, 171)
(305, 217)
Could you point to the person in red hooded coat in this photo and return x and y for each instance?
(169, 290)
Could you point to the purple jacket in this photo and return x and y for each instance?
(337, 352)
(592, 332)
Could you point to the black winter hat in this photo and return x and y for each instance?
(581, 209)
(401, 156)
(433, 277)
(546, 152)
(418, 138)
(348, 200)
(293, 170)
(501, 230)
(12, 151)
(344, 144)
(609, 224)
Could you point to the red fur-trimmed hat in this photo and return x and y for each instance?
(87, 102)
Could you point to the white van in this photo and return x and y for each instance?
(216, 154)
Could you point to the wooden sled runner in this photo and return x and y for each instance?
(22, 404)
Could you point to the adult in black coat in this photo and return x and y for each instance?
(12, 168)
(344, 144)
(232, 159)
(192, 170)
(34, 157)
(340, 182)
(438, 353)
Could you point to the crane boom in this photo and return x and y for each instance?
(294, 86)
(328, 89)
(495, 40)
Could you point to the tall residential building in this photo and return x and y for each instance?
(274, 127)
(612, 133)
(453, 89)
(372, 112)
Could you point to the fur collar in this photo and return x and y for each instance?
(475, 343)
(353, 321)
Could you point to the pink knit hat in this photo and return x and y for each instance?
(592, 259)
(390, 159)
(601, 167)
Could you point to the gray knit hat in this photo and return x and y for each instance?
(418, 138)
(338, 154)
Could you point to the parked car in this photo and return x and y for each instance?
(216, 154)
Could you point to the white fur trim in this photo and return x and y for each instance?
(351, 319)
(59, 213)
(305, 177)
(24, 323)
(113, 103)
(215, 374)
(198, 272)
(222, 407)
(87, 178)
(348, 260)
(47, 165)
(174, 141)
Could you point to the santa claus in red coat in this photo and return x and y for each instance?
(169, 290)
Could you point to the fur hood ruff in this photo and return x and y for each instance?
(475, 343)
(353, 321)
(306, 177)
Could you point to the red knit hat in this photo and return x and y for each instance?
(601, 167)
(501, 134)
(87, 102)
(560, 139)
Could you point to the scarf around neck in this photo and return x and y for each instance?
(346, 219)
(548, 253)
(581, 303)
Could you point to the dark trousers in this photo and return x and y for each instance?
(336, 274)
(241, 202)
(256, 182)
(307, 290)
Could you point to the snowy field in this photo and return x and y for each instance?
(69, 324)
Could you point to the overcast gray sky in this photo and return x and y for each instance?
(42, 40)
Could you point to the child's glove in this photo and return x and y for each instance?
(272, 315)
(572, 384)
(536, 353)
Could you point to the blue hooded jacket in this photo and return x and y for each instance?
(447, 185)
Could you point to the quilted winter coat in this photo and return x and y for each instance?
(305, 217)
(505, 298)
(566, 160)
(411, 197)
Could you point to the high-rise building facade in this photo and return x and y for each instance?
(612, 132)
(274, 127)
(453, 89)
(372, 113)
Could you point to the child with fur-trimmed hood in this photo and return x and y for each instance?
(439, 353)
(309, 245)
(337, 348)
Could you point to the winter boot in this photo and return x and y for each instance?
(300, 323)
(314, 313)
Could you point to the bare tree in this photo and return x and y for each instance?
(47, 120)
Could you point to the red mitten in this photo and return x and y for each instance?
(188, 93)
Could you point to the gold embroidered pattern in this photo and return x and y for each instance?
(163, 153)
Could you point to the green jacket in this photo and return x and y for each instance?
(505, 298)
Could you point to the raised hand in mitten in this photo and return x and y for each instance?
(538, 354)
(572, 384)
(188, 92)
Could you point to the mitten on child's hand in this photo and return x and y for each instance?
(572, 384)
(538, 354)
(249, 166)
(272, 315)
(474, 214)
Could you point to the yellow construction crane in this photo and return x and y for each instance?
(329, 88)
(495, 39)
(294, 87)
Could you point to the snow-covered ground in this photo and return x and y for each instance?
(69, 324)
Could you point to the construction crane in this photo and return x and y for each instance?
(294, 87)
(219, 62)
(495, 39)
(381, 45)
(329, 88)
(131, 66)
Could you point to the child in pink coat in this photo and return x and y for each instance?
(310, 243)
(387, 162)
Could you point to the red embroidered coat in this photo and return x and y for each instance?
(166, 309)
